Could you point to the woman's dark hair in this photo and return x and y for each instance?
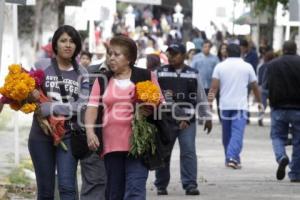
(233, 50)
(220, 49)
(128, 45)
(73, 33)
(153, 62)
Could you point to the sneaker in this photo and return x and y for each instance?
(280, 174)
(192, 191)
(162, 192)
(233, 164)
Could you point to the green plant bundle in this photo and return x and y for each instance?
(143, 137)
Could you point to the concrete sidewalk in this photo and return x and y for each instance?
(256, 179)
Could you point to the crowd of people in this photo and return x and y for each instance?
(189, 77)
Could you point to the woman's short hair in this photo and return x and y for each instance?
(128, 45)
(73, 33)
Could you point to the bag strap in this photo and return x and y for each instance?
(61, 84)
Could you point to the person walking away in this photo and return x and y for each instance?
(249, 54)
(282, 82)
(231, 77)
(267, 57)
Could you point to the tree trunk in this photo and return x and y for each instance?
(61, 12)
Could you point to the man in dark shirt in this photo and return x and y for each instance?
(179, 83)
(282, 81)
(250, 56)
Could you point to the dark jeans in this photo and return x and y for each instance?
(93, 178)
(280, 121)
(188, 161)
(46, 158)
(126, 177)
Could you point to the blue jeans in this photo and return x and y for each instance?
(46, 158)
(126, 177)
(233, 127)
(188, 161)
(280, 121)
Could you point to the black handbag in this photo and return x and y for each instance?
(164, 140)
(79, 146)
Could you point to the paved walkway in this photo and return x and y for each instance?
(256, 180)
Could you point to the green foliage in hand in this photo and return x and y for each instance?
(143, 137)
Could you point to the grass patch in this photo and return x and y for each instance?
(18, 177)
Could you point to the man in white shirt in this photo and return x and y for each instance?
(232, 77)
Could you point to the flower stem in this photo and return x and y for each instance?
(63, 146)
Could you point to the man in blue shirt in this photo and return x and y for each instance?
(205, 63)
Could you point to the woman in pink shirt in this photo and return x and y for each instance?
(126, 176)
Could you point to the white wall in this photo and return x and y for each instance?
(220, 12)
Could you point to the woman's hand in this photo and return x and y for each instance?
(34, 96)
(92, 141)
(183, 124)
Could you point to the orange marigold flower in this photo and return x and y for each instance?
(15, 106)
(147, 92)
(28, 107)
(15, 69)
(20, 92)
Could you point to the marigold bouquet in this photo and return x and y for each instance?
(143, 132)
(20, 87)
(22, 91)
